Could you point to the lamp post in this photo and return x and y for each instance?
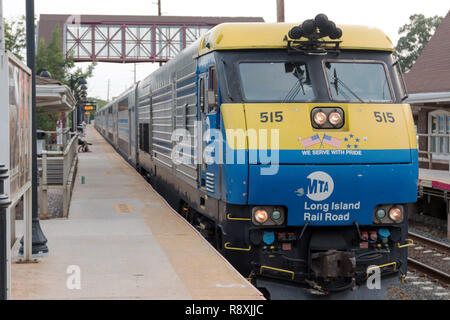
(39, 241)
(74, 83)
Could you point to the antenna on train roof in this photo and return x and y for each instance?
(314, 30)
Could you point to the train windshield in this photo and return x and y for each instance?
(358, 82)
(276, 82)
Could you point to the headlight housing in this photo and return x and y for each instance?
(327, 117)
(388, 214)
(268, 216)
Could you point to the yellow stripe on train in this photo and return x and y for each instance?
(371, 126)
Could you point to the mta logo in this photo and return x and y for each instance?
(320, 186)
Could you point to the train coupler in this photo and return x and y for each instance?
(333, 264)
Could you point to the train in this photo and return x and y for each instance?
(289, 147)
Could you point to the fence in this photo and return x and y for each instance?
(58, 171)
(444, 154)
(57, 140)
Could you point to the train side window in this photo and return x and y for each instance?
(143, 134)
(212, 90)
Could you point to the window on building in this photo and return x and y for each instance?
(439, 131)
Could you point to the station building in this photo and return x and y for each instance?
(428, 84)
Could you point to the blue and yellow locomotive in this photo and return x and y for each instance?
(289, 148)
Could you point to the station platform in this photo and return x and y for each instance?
(434, 178)
(124, 242)
(436, 183)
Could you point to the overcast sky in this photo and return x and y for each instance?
(388, 15)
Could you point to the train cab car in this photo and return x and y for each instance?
(290, 148)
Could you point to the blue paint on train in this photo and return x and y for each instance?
(331, 194)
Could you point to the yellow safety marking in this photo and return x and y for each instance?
(381, 266)
(410, 242)
(229, 217)
(403, 278)
(227, 246)
(123, 208)
(277, 269)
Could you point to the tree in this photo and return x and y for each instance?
(15, 36)
(415, 36)
(99, 104)
(60, 66)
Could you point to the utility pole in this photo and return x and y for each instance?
(159, 14)
(280, 10)
(107, 96)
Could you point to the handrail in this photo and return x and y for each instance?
(69, 158)
(61, 153)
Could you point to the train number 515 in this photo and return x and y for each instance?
(384, 117)
(276, 116)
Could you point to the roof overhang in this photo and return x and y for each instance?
(428, 97)
(54, 98)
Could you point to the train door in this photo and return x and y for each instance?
(130, 133)
(116, 124)
(210, 145)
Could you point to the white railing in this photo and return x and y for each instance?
(69, 158)
(439, 154)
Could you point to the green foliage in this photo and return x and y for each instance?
(415, 35)
(47, 121)
(60, 66)
(52, 58)
(15, 36)
(99, 103)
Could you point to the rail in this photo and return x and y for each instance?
(64, 179)
(425, 265)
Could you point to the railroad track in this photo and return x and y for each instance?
(426, 268)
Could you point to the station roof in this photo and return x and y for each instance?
(430, 72)
(232, 36)
(53, 96)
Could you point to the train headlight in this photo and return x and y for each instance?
(268, 215)
(380, 214)
(335, 118)
(320, 118)
(276, 215)
(261, 216)
(396, 214)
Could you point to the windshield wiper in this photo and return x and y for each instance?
(337, 80)
(297, 86)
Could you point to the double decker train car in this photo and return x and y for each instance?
(288, 147)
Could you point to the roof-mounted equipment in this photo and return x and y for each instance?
(314, 30)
